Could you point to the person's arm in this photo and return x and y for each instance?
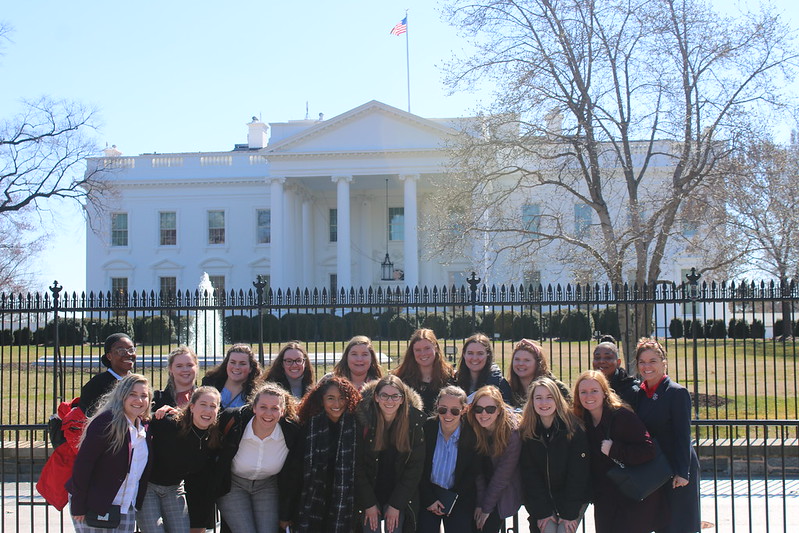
(504, 469)
(408, 482)
(631, 442)
(290, 477)
(577, 475)
(534, 482)
(426, 494)
(89, 453)
(680, 407)
(364, 486)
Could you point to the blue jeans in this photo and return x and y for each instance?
(251, 506)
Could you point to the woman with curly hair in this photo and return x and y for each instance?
(424, 368)
(359, 363)
(259, 468)
(292, 369)
(554, 460)
(236, 377)
(390, 456)
(615, 434)
(327, 415)
(499, 490)
(529, 363)
(477, 369)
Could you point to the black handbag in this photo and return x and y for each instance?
(639, 481)
(108, 520)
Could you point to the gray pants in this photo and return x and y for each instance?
(164, 509)
(126, 523)
(250, 506)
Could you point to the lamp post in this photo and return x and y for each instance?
(693, 295)
(387, 267)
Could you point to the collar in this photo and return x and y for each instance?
(277, 433)
(452, 438)
(651, 392)
(117, 376)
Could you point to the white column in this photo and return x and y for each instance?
(278, 244)
(344, 257)
(290, 252)
(411, 244)
(308, 260)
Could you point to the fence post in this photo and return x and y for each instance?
(693, 294)
(58, 372)
(473, 281)
(260, 284)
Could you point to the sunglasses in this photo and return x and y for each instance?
(490, 409)
(454, 410)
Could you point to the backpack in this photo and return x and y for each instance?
(55, 426)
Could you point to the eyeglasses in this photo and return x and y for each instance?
(454, 410)
(293, 362)
(490, 409)
(129, 351)
(393, 397)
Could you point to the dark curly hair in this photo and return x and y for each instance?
(312, 404)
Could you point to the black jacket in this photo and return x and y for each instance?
(626, 387)
(465, 466)
(94, 389)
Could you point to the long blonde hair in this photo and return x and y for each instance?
(492, 442)
(530, 418)
(114, 401)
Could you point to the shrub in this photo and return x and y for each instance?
(757, 330)
(6, 337)
(715, 329)
(486, 323)
(438, 323)
(71, 331)
(606, 321)
(550, 323)
(676, 329)
(462, 326)
(297, 326)
(358, 323)
(575, 326)
(694, 327)
(503, 324)
(23, 337)
(526, 326)
(271, 326)
(400, 328)
(157, 329)
(331, 327)
(121, 324)
(738, 328)
(240, 328)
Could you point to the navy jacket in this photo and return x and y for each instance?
(465, 466)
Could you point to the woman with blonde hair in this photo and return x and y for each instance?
(554, 459)
(529, 363)
(358, 362)
(615, 434)
(109, 478)
(499, 491)
(424, 367)
(390, 456)
(182, 366)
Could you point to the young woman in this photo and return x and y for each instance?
(358, 363)
(477, 369)
(665, 408)
(292, 369)
(424, 368)
(450, 466)
(182, 366)
(327, 415)
(528, 364)
(607, 360)
(614, 433)
(236, 377)
(258, 472)
(499, 491)
(184, 446)
(112, 466)
(119, 356)
(554, 460)
(390, 456)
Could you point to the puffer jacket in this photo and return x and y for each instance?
(409, 465)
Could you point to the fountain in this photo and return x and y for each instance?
(205, 333)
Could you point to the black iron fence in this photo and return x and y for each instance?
(733, 345)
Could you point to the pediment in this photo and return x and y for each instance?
(262, 263)
(117, 264)
(166, 264)
(372, 127)
(215, 262)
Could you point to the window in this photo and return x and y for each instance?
(218, 283)
(263, 226)
(167, 223)
(396, 223)
(531, 217)
(532, 278)
(689, 228)
(216, 227)
(333, 285)
(169, 286)
(119, 288)
(119, 229)
(333, 225)
(582, 220)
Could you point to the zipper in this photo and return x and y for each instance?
(549, 483)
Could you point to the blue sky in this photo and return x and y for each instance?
(186, 76)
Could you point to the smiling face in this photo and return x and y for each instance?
(122, 356)
(334, 403)
(294, 363)
(359, 359)
(605, 361)
(389, 400)
(183, 371)
(238, 367)
(449, 421)
(485, 419)
(475, 356)
(591, 396)
(137, 403)
(424, 353)
(204, 411)
(544, 403)
(524, 364)
(267, 410)
(651, 366)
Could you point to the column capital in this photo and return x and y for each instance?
(409, 177)
(339, 178)
(270, 180)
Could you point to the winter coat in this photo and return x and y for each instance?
(494, 378)
(58, 468)
(466, 465)
(625, 386)
(502, 491)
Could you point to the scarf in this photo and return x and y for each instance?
(316, 514)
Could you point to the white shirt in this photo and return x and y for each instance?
(126, 495)
(257, 458)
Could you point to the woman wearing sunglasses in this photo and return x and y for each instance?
(499, 490)
(389, 456)
(450, 467)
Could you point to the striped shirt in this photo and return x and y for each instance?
(444, 458)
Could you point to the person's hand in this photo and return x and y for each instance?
(285, 524)
(162, 411)
(570, 525)
(543, 522)
(606, 445)
(79, 517)
(371, 517)
(678, 482)
(392, 519)
(480, 517)
(437, 508)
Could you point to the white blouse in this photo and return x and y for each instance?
(260, 458)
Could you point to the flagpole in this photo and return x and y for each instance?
(408, 59)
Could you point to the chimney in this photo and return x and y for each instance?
(257, 136)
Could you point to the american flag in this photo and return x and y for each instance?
(401, 27)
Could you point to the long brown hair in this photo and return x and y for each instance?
(277, 372)
(492, 442)
(342, 368)
(530, 418)
(541, 365)
(464, 376)
(397, 433)
(611, 399)
(218, 375)
(408, 371)
(185, 419)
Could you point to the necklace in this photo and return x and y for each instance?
(202, 436)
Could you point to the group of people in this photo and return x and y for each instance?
(365, 450)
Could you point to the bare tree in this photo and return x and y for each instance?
(622, 108)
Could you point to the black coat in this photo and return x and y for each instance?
(556, 474)
(94, 389)
(626, 387)
(289, 481)
(466, 465)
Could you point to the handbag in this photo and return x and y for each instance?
(639, 481)
(108, 520)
